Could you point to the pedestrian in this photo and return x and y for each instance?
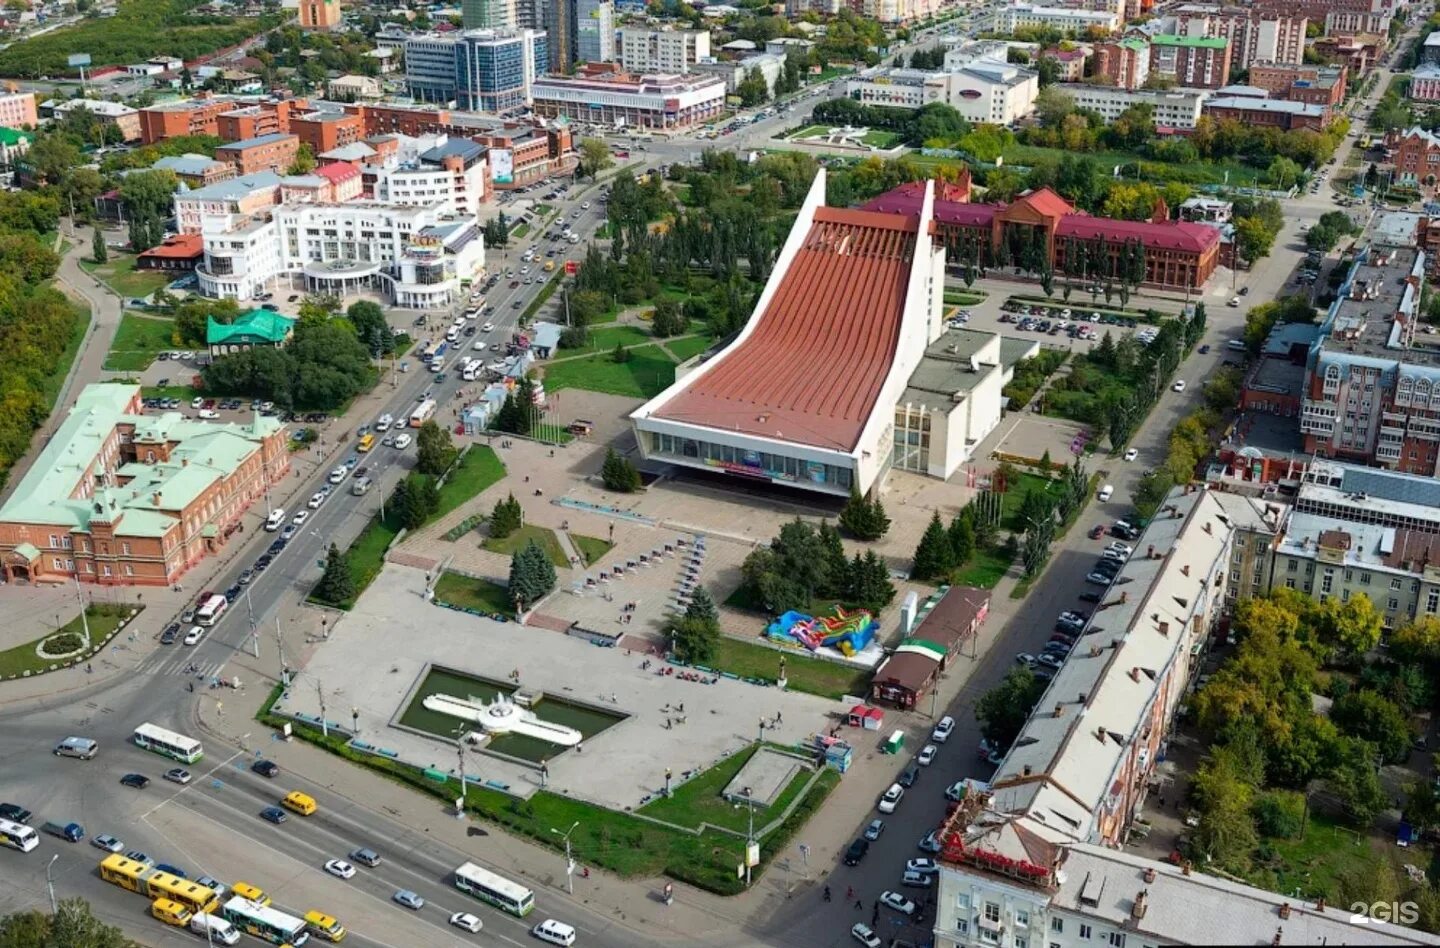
(859, 906)
(827, 894)
(849, 892)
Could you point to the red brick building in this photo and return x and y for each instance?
(323, 131)
(267, 153)
(1315, 85)
(1417, 156)
(118, 497)
(197, 116)
(263, 118)
(1272, 113)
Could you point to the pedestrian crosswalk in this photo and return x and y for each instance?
(183, 667)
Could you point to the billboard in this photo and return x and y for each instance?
(79, 59)
(502, 166)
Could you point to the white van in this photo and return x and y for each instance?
(1105, 492)
(214, 928)
(81, 747)
(556, 933)
(276, 518)
(1236, 345)
(452, 335)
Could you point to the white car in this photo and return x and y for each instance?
(316, 499)
(209, 414)
(300, 518)
(1121, 548)
(108, 843)
(926, 866)
(862, 933)
(926, 757)
(340, 869)
(195, 634)
(479, 345)
(1106, 492)
(402, 442)
(1179, 386)
(1131, 454)
(466, 921)
(488, 327)
(898, 902)
(178, 775)
(891, 798)
(943, 729)
(383, 422)
(196, 402)
(339, 474)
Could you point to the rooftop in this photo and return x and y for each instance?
(254, 325)
(188, 164)
(178, 247)
(98, 106)
(1195, 42)
(835, 315)
(1265, 105)
(355, 151)
(1362, 324)
(1367, 545)
(1353, 491)
(1277, 375)
(270, 139)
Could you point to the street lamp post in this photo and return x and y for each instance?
(569, 863)
(749, 834)
(460, 757)
(50, 883)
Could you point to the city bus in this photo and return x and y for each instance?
(422, 413)
(211, 610)
(168, 743)
(154, 883)
(18, 836)
(427, 353)
(497, 890)
(270, 924)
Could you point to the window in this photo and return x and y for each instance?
(1289, 583)
(962, 901)
(1022, 918)
(992, 912)
(1364, 579)
(989, 936)
(1326, 582)
(1057, 924)
(1021, 942)
(1393, 604)
(125, 548)
(962, 925)
(1395, 584)
(1117, 939)
(1432, 601)
(1291, 565)
(1085, 931)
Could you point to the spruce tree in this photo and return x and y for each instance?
(506, 518)
(702, 607)
(98, 251)
(836, 576)
(879, 522)
(618, 473)
(962, 537)
(336, 585)
(933, 555)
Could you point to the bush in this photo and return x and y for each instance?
(63, 643)
(1280, 814)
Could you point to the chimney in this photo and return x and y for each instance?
(155, 498)
(1137, 911)
(1025, 771)
(1150, 552)
(1320, 904)
(1279, 930)
(1165, 629)
(1059, 710)
(1082, 697)
(1135, 673)
(1124, 597)
(1149, 874)
(1185, 868)
(1206, 527)
(1100, 734)
(1185, 569)
(1285, 910)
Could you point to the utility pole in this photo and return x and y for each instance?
(324, 725)
(84, 622)
(254, 633)
(569, 863)
(50, 883)
(280, 647)
(460, 756)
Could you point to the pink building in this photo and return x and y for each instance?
(17, 110)
(345, 180)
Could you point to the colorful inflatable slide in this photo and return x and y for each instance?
(846, 632)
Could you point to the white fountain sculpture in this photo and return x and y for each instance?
(503, 716)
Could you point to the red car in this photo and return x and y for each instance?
(1097, 531)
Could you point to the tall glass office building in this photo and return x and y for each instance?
(594, 31)
(478, 70)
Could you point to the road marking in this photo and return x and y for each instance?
(183, 787)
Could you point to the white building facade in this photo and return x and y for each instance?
(1061, 18)
(662, 51)
(665, 101)
(983, 91)
(1176, 108)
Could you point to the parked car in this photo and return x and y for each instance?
(943, 729)
(863, 934)
(927, 754)
(891, 798)
(931, 842)
(857, 852)
(873, 831)
(108, 843)
(897, 902)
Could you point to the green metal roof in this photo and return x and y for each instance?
(1204, 42)
(10, 137)
(249, 328)
(29, 551)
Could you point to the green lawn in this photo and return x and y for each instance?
(479, 594)
(516, 541)
(619, 842)
(103, 620)
(1014, 497)
(984, 571)
(810, 130)
(686, 348)
(1329, 850)
(542, 211)
(137, 341)
(647, 373)
(182, 392)
(811, 675)
(607, 338)
(699, 799)
(50, 387)
(878, 139)
(120, 274)
(590, 548)
(476, 470)
(519, 230)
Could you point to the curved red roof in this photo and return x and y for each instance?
(812, 368)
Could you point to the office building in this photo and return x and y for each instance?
(609, 97)
(453, 174)
(487, 15)
(560, 28)
(985, 91)
(324, 131)
(662, 52)
(119, 497)
(482, 70)
(1272, 113)
(1176, 109)
(319, 14)
(1195, 62)
(246, 195)
(734, 71)
(197, 116)
(241, 122)
(1067, 19)
(1314, 85)
(594, 31)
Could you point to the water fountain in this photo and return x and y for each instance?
(502, 716)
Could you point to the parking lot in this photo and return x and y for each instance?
(1059, 326)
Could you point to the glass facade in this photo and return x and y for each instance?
(777, 467)
(912, 439)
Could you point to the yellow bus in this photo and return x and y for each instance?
(151, 882)
(302, 803)
(324, 926)
(171, 913)
(366, 443)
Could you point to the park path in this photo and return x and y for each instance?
(657, 342)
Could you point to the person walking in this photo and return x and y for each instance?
(827, 894)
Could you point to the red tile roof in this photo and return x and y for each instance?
(338, 171)
(179, 247)
(1046, 202)
(1173, 235)
(812, 368)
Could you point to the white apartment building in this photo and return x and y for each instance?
(662, 51)
(1012, 18)
(244, 195)
(1254, 37)
(1176, 108)
(418, 256)
(452, 174)
(734, 71)
(983, 91)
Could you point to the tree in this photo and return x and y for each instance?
(435, 451)
(1003, 710)
(1355, 779)
(934, 555)
(506, 518)
(415, 500)
(1280, 814)
(336, 585)
(371, 329)
(72, 926)
(753, 89)
(864, 519)
(532, 575)
(1418, 641)
(98, 251)
(696, 641)
(702, 606)
(1252, 238)
(304, 162)
(1374, 718)
(618, 473)
(669, 318)
(868, 582)
(1224, 798)
(1349, 628)
(962, 537)
(594, 157)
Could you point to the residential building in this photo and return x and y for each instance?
(17, 110)
(487, 15)
(13, 144)
(324, 131)
(344, 181)
(1425, 82)
(594, 31)
(1195, 62)
(1070, 61)
(453, 174)
(1273, 113)
(1176, 254)
(261, 118)
(734, 71)
(1359, 52)
(179, 254)
(354, 88)
(662, 52)
(266, 153)
(1124, 62)
(607, 97)
(122, 118)
(1311, 84)
(119, 497)
(197, 116)
(1011, 18)
(485, 70)
(984, 91)
(319, 14)
(416, 256)
(254, 327)
(794, 9)
(852, 285)
(1174, 109)
(1430, 50)
(196, 171)
(1255, 35)
(246, 195)
(1372, 386)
